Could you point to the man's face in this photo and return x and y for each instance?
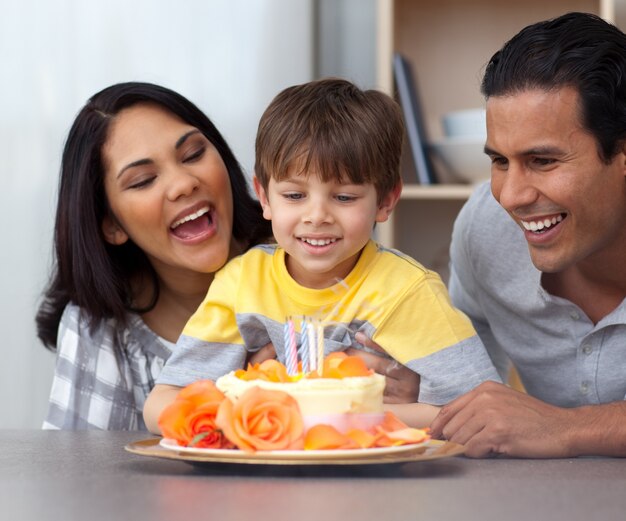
(547, 174)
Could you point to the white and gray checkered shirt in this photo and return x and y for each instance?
(92, 387)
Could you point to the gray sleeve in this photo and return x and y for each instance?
(464, 287)
(194, 359)
(453, 371)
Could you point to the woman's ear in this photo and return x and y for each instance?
(262, 195)
(113, 232)
(388, 203)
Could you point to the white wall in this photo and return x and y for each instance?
(228, 56)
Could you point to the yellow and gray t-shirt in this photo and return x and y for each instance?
(390, 297)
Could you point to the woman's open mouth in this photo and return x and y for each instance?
(193, 225)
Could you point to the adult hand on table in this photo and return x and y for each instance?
(494, 420)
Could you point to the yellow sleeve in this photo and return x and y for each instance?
(215, 319)
(422, 322)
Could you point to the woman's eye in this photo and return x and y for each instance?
(141, 183)
(197, 154)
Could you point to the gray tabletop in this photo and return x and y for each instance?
(89, 476)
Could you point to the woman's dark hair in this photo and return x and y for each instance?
(89, 271)
(577, 50)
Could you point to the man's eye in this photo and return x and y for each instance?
(543, 161)
(499, 161)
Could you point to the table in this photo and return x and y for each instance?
(88, 476)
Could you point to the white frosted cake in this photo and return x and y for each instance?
(349, 402)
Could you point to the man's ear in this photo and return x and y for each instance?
(388, 203)
(262, 195)
(113, 232)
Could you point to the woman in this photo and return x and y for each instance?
(151, 203)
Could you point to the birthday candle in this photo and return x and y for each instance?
(292, 350)
(320, 348)
(304, 346)
(312, 345)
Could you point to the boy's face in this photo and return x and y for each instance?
(322, 226)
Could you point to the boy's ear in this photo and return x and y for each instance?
(113, 232)
(260, 192)
(388, 203)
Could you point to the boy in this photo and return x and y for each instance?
(327, 169)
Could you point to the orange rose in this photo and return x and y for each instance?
(190, 419)
(262, 419)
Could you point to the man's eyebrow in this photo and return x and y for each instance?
(177, 145)
(535, 151)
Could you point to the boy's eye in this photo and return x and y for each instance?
(293, 196)
(342, 198)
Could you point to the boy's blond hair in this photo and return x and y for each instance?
(335, 129)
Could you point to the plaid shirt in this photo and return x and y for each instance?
(92, 387)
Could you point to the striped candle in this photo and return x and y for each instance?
(320, 348)
(292, 350)
(312, 346)
(304, 346)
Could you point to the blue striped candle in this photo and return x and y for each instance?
(304, 346)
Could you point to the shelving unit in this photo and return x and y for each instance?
(448, 43)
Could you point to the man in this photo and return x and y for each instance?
(546, 285)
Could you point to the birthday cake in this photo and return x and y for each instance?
(346, 395)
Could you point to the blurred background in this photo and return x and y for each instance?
(230, 57)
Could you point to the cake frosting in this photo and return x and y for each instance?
(346, 403)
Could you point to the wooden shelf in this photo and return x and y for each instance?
(442, 192)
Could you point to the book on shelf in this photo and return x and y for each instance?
(409, 101)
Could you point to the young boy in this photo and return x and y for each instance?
(327, 169)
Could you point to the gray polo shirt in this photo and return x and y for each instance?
(562, 357)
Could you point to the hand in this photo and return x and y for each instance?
(402, 384)
(267, 352)
(494, 420)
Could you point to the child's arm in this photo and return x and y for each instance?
(418, 415)
(158, 399)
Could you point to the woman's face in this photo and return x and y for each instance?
(168, 190)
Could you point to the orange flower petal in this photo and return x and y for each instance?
(325, 437)
(393, 431)
(353, 366)
(392, 423)
(363, 439)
